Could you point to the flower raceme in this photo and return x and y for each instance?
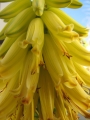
(41, 62)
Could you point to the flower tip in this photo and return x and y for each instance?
(26, 101)
(39, 12)
(23, 44)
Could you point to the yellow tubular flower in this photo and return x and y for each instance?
(46, 90)
(51, 60)
(82, 31)
(14, 8)
(38, 6)
(42, 73)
